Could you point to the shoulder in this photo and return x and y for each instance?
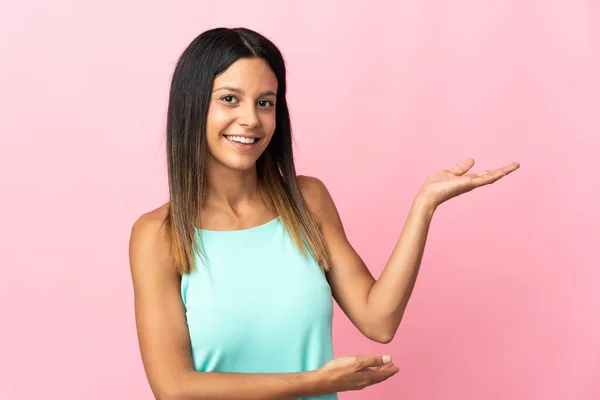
(148, 236)
(150, 222)
(317, 197)
(310, 185)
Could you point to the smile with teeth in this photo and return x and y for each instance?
(240, 139)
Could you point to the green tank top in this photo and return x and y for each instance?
(257, 305)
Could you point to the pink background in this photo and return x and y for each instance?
(506, 305)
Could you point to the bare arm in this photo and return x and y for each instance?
(375, 307)
(392, 291)
(164, 338)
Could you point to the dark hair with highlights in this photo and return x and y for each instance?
(207, 56)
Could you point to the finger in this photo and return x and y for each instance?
(390, 371)
(374, 360)
(381, 375)
(491, 176)
(512, 167)
(487, 178)
(487, 174)
(507, 169)
(382, 367)
(463, 166)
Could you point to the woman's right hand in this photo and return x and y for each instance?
(356, 372)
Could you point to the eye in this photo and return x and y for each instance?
(228, 99)
(266, 103)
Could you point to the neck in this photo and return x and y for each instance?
(232, 191)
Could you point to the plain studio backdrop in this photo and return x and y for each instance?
(382, 94)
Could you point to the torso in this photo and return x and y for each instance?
(257, 305)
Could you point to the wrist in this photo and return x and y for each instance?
(425, 203)
(313, 383)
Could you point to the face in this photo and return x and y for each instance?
(241, 115)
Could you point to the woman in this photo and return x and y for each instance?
(234, 277)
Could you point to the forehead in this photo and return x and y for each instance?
(249, 74)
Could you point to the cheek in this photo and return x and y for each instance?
(268, 123)
(216, 120)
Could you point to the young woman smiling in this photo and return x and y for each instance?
(234, 278)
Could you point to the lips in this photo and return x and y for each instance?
(240, 144)
(246, 136)
(242, 136)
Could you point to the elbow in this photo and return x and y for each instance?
(383, 328)
(169, 394)
(169, 391)
(382, 336)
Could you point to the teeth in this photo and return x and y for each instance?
(241, 139)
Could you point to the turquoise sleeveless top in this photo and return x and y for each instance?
(257, 305)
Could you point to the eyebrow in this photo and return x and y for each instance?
(265, 93)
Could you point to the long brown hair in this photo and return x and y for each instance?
(207, 56)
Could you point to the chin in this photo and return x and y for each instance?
(234, 159)
(242, 167)
(237, 163)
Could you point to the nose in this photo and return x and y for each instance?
(248, 116)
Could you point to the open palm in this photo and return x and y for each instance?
(446, 184)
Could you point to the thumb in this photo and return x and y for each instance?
(375, 361)
(462, 167)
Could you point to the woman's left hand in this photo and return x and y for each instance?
(446, 184)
